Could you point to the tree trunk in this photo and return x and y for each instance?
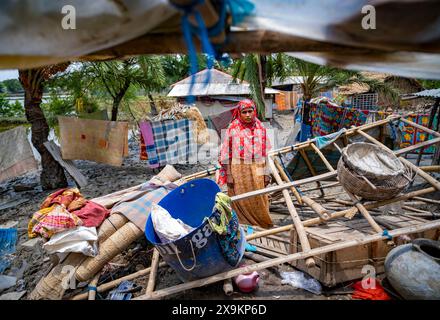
(117, 100)
(153, 110)
(52, 174)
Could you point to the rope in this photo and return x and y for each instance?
(194, 258)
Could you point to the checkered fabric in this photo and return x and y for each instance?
(174, 142)
(137, 206)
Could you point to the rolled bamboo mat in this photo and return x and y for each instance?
(51, 287)
(108, 249)
(110, 226)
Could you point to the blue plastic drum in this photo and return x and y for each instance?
(198, 254)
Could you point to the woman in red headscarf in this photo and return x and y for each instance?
(243, 164)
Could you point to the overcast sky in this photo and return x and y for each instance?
(8, 74)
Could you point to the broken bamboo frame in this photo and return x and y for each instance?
(310, 262)
(339, 214)
(426, 200)
(356, 202)
(311, 169)
(421, 173)
(289, 258)
(316, 207)
(409, 164)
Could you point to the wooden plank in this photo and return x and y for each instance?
(289, 258)
(68, 165)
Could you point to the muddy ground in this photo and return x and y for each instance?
(104, 179)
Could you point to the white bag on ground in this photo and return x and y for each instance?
(298, 280)
(80, 239)
(166, 227)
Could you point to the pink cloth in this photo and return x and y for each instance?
(147, 134)
(92, 214)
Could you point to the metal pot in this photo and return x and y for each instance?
(414, 269)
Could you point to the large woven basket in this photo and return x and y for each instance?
(385, 188)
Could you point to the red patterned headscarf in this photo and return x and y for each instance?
(242, 105)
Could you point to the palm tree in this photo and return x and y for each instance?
(259, 70)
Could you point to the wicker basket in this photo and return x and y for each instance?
(356, 184)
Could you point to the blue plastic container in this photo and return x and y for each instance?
(198, 254)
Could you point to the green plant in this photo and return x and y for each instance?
(57, 106)
(10, 110)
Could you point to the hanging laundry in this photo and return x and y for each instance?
(143, 147)
(221, 121)
(327, 118)
(150, 148)
(16, 156)
(173, 142)
(411, 136)
(95, 140)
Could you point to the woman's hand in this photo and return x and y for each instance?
(267, 180)
(230, 181)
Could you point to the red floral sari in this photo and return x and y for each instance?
(244, 141)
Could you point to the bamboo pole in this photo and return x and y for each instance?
(311, 169)
(420, 127)
(310, 262)
(406, 207)
(417, 146)
(316, 207)
(152, 278)
(112, 284)
(272, 189)
(333, 184)
(421, 173)
(427, 200)
(319, 153)
(92, 285)
(286, 179)
(289, 258)
(430, 168)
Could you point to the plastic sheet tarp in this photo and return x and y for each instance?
(31, 32)
(408, 29)
(16, 156)
(407, 32)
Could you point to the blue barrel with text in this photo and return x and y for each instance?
(198, 254)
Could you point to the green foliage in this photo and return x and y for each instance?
(430, 84)
(13, 85)
(10, 110)
(57, 106)
(2, 88)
